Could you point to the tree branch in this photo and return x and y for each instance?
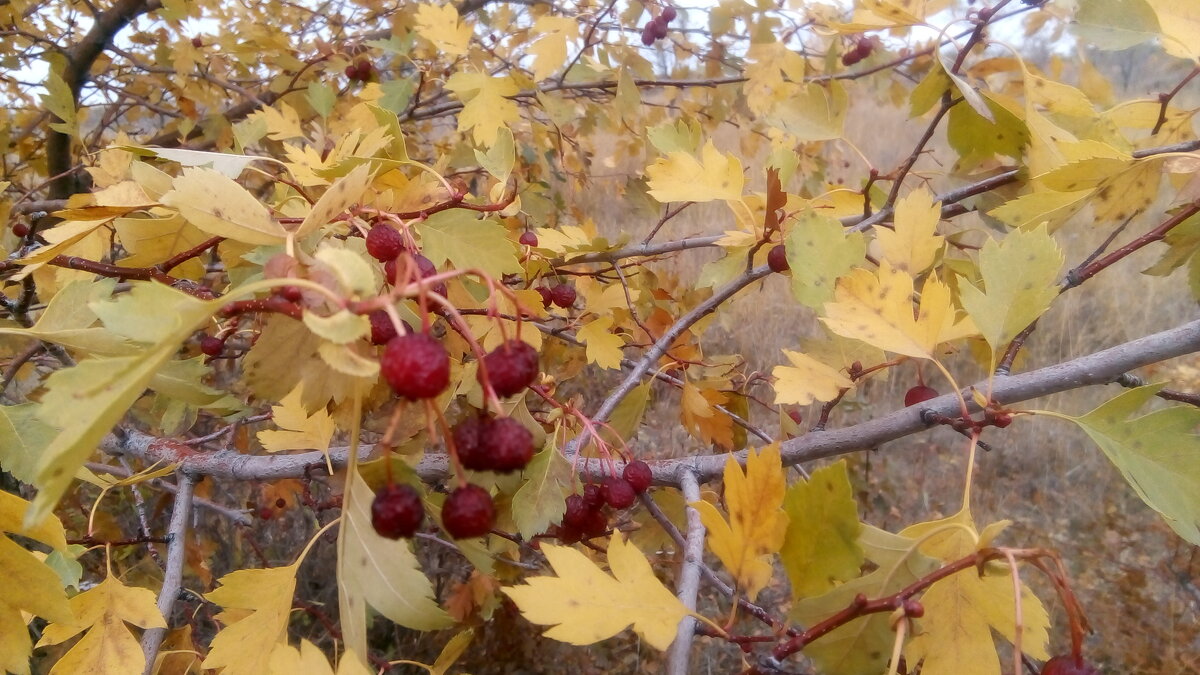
(689, 578)
(173, 579)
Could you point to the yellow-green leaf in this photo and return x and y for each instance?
(469, 243)
(540, 501)
(603, 347)
(819, 251)
(217, 205)
(913, 244)
(821, 546)
(257, 604)
(300, 431)
(807, 380)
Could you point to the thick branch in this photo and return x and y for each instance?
(689, 579)
(1098, 368)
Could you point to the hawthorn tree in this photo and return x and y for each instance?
(345, 247)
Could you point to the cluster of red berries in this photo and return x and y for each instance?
(656, 28)
(360, 71)
(386, 244)
(585, 517)
(862, 49)
(500, 444)
(467, 512)
(562, 295)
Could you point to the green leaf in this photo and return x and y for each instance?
(1158, 453)
(541, 500)
(468, 243)
(321, 97)
(1020, 274)
(1115, 24)
(819, 251)
(821, 547)
(23, 438)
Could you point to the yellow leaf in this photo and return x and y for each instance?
(344, 193)
(282, 124)
(757, 522)
(1020, 275)
(583, 605)
(150, 241)
(702, 419)
(878, 309)
(257, 604)
(302, 431)
(310, 660)
(442, 27)
(380, 573)
(603, 347)
(108, 646)
(219, 206)
(1180, 24)
(550, 51)
(340, 327)
(680, 177)
(807, 380)
(913, 245)
(486, 107)
(26, 584)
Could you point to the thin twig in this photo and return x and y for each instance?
(173, 578)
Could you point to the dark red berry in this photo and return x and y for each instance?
(468, 512)
(396, 511)
(20, 229)
(547, 296)
(568, 535)
(597, 524)
(528, 238)
(618, 493)
(777, 259)
(508, 443)
(389, 272)
(382, 328)
(914, 609)
(660, 28)
(468, 443)
(280, 503)
(563, 295)
(290, 293)
(365, 70)
(266, 513)
(639, 476)
(851, 57)
(351, 71)
(576, 516)
(426, 268)
(1066, 664)
(669, 14)
(919, 394)
(511, 367)
(593, 496)
(648, 35)
(384, 242)
(197, 42)
(796, 416)
(210, 345)
(864, 47)
(416, 366)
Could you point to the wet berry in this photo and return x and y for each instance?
(416, 366)
(639, 476)
(511, 367)
(396, 511)
(384, 242)
(468, 512)
(919, 394)
(618, 493)
(563, 295)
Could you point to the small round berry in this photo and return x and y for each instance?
(567, 535)
(511, 367)
(390, 271)
(618, 493)
(416, 366)
(593, 496)
(509, 444)
(547, 296)
(1066, 664)
(427, 269)
(211, 345)
(919, 394)
(197, 42)
(648, 35)
(777, 259)
(914, 609)
(851, 57)
(365, 70)
(468, 443)
(290, 293)
(382, 328)
(528, 238)
(597, 524)
(639, 476)
(660, 28)
(864, 47)
(384, 242)
(669, 13)
(20, 229)
(577, 513)
(468, 512)
(396, 511)
(563, 295)
(351, 71)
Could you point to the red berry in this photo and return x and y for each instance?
(211, 345)
(1066, 664)
(528, 238)
(796, 416)
(290, 293)
(382, 328)
(660, 28)
(266, 513)
(384, 242)
(577, 514)
(914, 609)
(864, 47)
(416, 366)
(389, 272)
(351, 71)
(563, 295)
(509, 444)
(851, 57)
(547, 296)
(427, 269)
(511, 367)
(197, 42)
(919, 394)
(396, 511)
(468, 512)
(593, 496)
(618, 493)
(639, 476)
(597, 524)
(669, 14)
(567, 535)
(365, 70)
(648, 35)
(21, 230)
(777, 259)
(468, 443)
